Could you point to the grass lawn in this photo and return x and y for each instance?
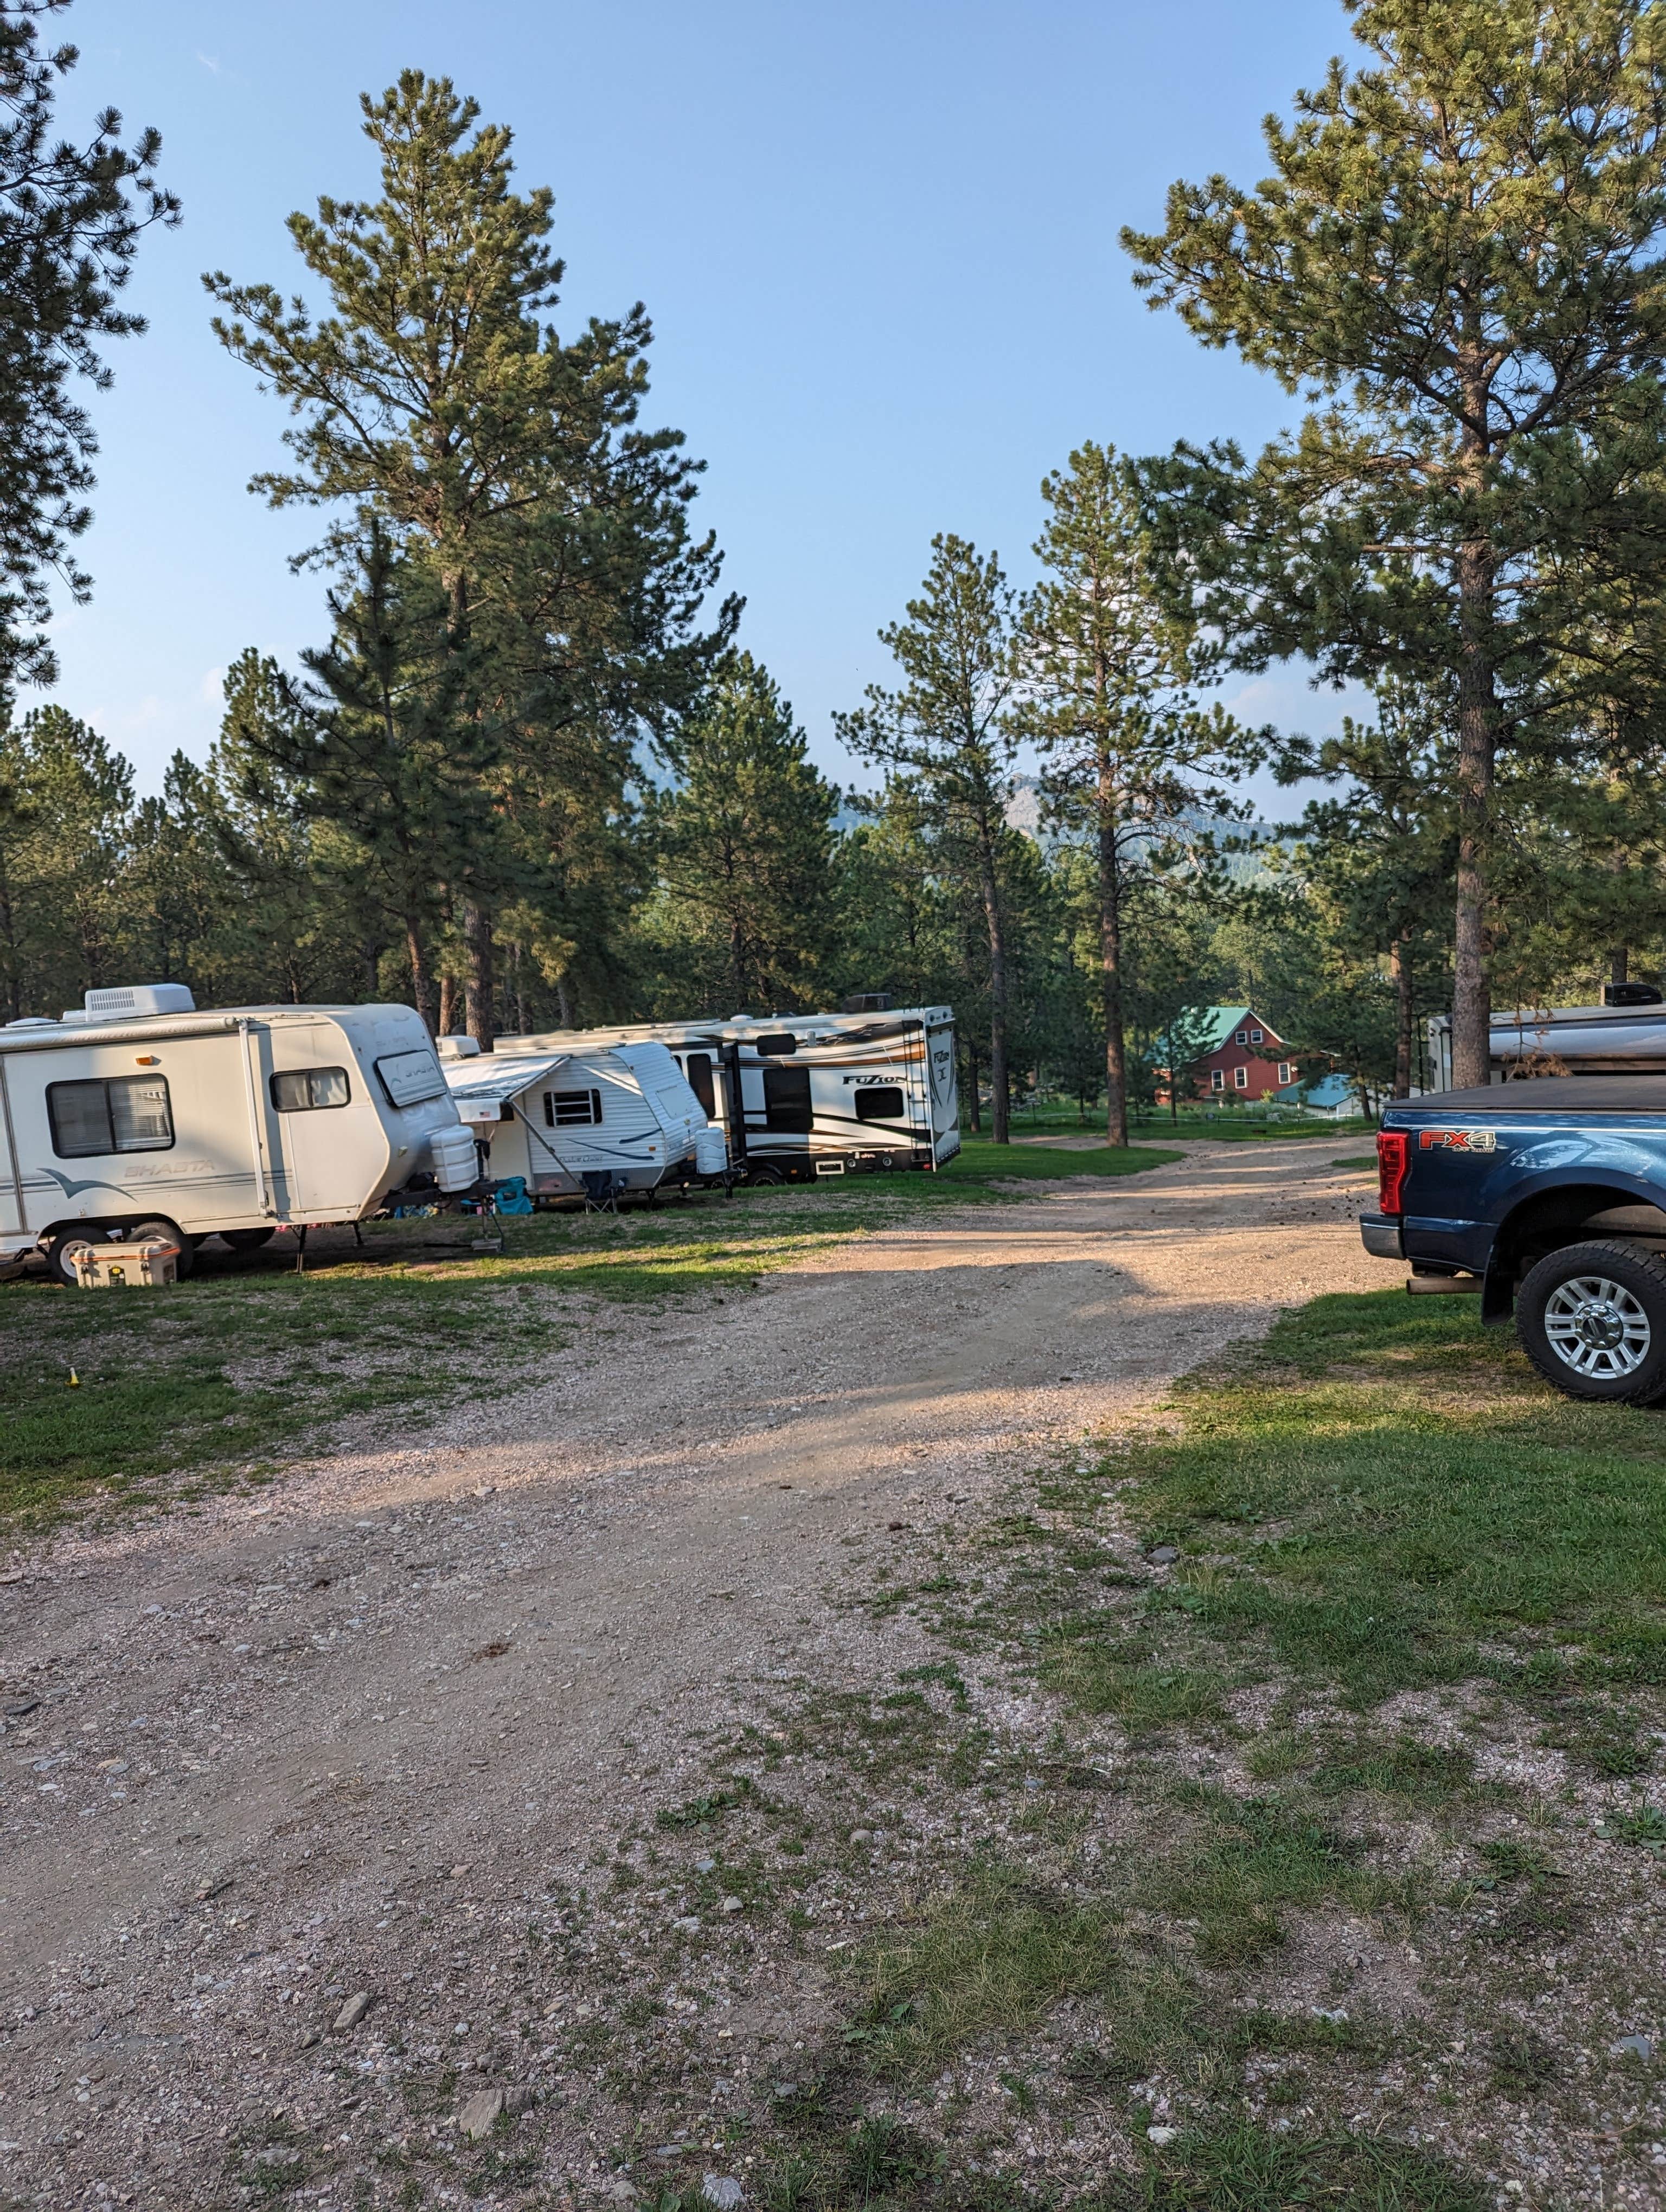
(246, 1360)
(1358, 1659)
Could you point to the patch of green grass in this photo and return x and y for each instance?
(1244, 2168)
(1238, 1865)
(1103, 1670)
(1396, 1766)
(1374, 1534)
(997, 1952)
(1358, 1160)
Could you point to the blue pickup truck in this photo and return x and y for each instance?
(1548, 1198)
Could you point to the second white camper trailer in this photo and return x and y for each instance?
(139, 1115)
(553, 1118)
(804, 1096)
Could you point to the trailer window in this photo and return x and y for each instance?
(787, 1100)
(115, 1114)
(571, 1109)
(880, 1101)
(410, 1078)
(299, 1090)
(700, 1082)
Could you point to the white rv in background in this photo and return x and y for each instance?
(137, 1114)
(802, 1095)
(555, 1117)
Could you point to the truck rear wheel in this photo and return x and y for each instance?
(1592, 1319)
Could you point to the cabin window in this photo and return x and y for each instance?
(114, 1114)
(410, 1078)
(1217, 1079)
(1258, 1037)
(700, 1082)
(1242, 1037)
(1240, 1079)
(298, 1091)
(880, 1101)
(1284, 1072)
(571, 1109)
(787, 1100)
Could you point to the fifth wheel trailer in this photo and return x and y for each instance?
(802, 1095)
(139, 1114)
(1624, 1039)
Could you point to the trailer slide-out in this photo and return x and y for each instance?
(803, 1095)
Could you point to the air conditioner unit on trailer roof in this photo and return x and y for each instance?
(127, 1002)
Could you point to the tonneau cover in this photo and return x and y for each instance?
(1544, 1094)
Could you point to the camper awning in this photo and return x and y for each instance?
(487, 1080)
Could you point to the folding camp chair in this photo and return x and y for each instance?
(602, 1187)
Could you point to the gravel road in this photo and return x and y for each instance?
(246, 1747)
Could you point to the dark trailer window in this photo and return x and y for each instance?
(572, 1109)
(786, 1100)
(880, 1101)
(700, 1082)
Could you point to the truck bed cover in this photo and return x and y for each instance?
(1544, 1094)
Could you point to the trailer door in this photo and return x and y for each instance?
(313, 1087)
(14, 1220)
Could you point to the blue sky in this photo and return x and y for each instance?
(879, 243)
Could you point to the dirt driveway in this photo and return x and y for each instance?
(247, 1748)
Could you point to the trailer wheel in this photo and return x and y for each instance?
(61, 1252)
(161, 1231)
(1592, 1319)
(246, 1240)
(764, 1177)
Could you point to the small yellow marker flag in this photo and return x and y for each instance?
(74, 1382)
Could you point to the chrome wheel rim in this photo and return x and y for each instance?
(1596, 1326)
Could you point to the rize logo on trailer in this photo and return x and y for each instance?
(1458, 1140)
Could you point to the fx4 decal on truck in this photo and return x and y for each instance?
(1458, 1140)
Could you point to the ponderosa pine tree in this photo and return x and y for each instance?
(1458, 258)
(1382, 858)
(437, 396)
(1112, 672)
(375, 747)
(746, 849)
(950, 730)
(70, 216)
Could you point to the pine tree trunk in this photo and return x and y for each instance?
(563, 1004)
(421, 987)
(14, 984)
(1400, 967)
(973, 1112)
(1111, 974)
(1620, 961)
(1477, 726)
(999, 1098)
(447, 1006)
(478, 980)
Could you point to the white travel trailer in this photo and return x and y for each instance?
(137, 1114)
(800, 1096)
(554, 1118)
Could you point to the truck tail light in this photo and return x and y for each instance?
(1392, 1148)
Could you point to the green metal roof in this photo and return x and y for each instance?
(1213, 1025)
